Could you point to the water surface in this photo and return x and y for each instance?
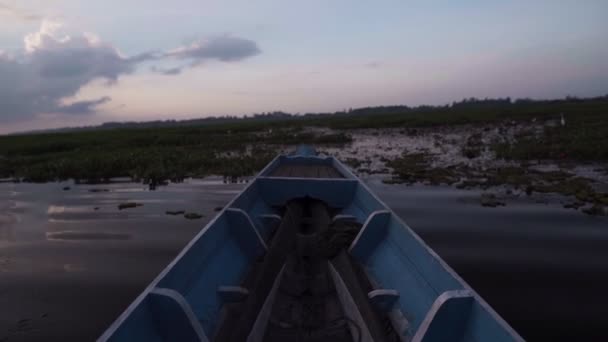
(71, 261)
(542, 267)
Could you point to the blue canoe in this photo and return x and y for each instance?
(306, 252)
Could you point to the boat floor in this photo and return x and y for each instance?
(305, 171)
(294, 285)
(306, 307)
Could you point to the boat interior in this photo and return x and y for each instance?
(308, 253)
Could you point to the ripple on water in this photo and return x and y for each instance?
(71, 235)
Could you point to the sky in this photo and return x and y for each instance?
(75, 63)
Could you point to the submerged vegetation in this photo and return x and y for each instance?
(193, 216)
(514, 180)
(128, 205)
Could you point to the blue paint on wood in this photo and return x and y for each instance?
(298, 160)
(175, 320)
(252, 203)
(245, 233)
(337, 193)
(221, 258)
(344, 218)
(305, 150)
(363, 203)
(393, 256)
(371, 234)
(268, 223)
(383, 299)
(447, 319)
(137, 324)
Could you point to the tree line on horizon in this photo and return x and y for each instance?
(474, 104)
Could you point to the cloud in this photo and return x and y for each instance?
(10, 11)
(225, 48)
(54, 65)
(83, 107)
(167, 71)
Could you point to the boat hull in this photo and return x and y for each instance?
(408, 284)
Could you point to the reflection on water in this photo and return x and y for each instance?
(8, 216)
(73, 235)
(7, 221)
(62, 253)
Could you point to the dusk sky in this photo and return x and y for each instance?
(74, 62)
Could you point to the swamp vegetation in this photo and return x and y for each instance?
(499, 142)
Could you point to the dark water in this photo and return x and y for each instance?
(543, 268)
(67, 269)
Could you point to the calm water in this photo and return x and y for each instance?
(71, 261)
(542, 267)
